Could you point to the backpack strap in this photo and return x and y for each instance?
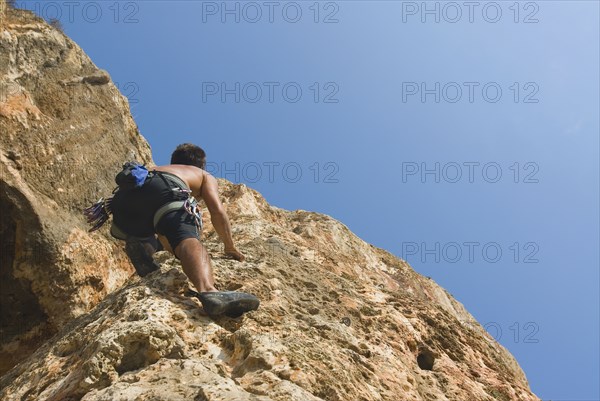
(169, 207)
(189, 205)
(183, 199)
(116, 232)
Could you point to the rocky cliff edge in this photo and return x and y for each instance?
(340, 319)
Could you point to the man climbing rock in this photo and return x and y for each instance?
(163, 201)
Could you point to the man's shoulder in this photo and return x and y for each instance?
(178, 167)
(181, 169)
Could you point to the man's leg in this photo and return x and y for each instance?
(140, 251)
(164, 244)
(196, 264)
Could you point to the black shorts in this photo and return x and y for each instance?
(133, 211)
(177, 226)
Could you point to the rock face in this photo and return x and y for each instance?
(339, 320)
(61, 141)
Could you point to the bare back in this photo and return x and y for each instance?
(191, 175)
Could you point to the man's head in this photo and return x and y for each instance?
(189, 154)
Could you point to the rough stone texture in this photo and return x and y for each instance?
(62, 138)
(340, 319)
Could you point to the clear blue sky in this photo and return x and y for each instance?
(468, 145)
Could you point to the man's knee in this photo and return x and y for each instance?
(189, 245)
(140, 253)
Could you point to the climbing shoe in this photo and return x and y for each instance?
(228, 303)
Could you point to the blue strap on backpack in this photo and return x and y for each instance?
(132, 176)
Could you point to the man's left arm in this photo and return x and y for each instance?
(218, 216)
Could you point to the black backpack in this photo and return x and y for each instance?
(132, 176)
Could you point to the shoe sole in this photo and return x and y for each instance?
(217, 304)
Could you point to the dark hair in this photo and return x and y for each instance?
(189, 154)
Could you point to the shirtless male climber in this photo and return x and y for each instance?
(164, 203)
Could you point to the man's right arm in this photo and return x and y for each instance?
(218, 215)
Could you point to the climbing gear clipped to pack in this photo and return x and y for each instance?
(98, 213)
(191, 206)
(132, 176)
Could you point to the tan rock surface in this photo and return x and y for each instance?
(340, 319)
(60, 146)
